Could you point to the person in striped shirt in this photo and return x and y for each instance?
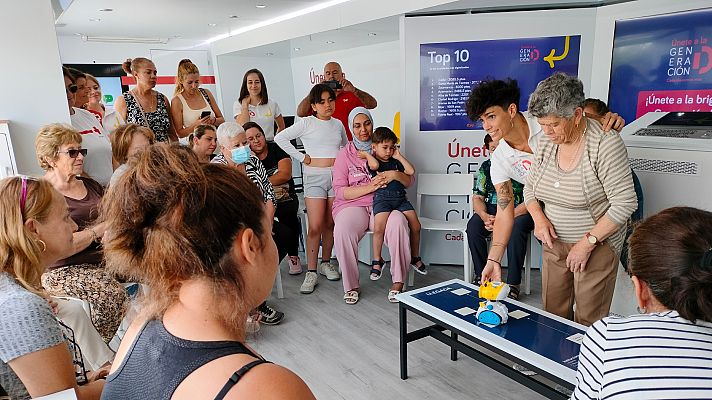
(580, 194)
(666, 351)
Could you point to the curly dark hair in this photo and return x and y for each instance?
(492, 92)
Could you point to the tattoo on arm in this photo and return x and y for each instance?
(504, 195)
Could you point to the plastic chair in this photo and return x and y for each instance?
(445, 185)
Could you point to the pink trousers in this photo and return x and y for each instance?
(350, 226)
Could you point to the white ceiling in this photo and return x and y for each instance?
(191, 20)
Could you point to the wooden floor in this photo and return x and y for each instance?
(351, 351)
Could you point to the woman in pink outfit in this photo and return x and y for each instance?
(352, 210)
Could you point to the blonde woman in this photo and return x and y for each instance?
(36, 230)
(144, 106)
(192, 105)
(107, 116)
(79, 272)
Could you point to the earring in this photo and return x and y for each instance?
(642, 310)
(511, 121)
(44, 245)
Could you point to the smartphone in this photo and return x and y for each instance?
(333, 84)
(205, 114)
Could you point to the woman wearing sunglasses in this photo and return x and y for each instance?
(36, 231)
(80, 272)
(98, 163)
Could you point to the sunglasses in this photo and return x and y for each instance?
(72, 88)
(74, 153)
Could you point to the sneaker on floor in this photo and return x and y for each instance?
(329, 270)
(295, 265)
(524, 370)
(269, 316)
(310, 282)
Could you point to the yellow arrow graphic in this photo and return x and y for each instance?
(551, 57)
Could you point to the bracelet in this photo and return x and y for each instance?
(94, 237)
(495, 261)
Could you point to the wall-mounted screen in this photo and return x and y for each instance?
(662, 63)
(448, 71)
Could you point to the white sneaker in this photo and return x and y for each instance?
(329, 270)
(310, 282)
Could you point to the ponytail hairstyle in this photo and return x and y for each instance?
(131, 66)
(199, 131)
(185, 67)
(672, 253)
(19, 252)
(167, 218)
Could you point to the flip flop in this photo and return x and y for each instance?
(392, 295)
(376, 273)
(351, 297)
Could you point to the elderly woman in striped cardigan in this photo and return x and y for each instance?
(580, 194)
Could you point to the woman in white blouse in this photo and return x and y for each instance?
(254, 105)
(192, 105)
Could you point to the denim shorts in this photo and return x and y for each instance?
(390, 200)
(317, 183)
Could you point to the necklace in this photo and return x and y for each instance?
(557, 183)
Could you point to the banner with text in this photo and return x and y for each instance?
(662, 63)
(448, 71)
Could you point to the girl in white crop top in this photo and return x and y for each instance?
(188, 92)
(322, 137)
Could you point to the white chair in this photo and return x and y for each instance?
(445, 185)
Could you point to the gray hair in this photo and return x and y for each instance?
(227, 131)
(558, 95)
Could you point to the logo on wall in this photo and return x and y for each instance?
(528, 54)
(686, 59)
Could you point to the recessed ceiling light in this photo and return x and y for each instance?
(233, 16)
(213, 24)
(177, 36)
(78, 34)
(297, 48)
(107, 9)
(94, 19)
(372, 34)
(330, 42)
(261, 6)
(269, 54)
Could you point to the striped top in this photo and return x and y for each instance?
(600, 184)
(650, 356)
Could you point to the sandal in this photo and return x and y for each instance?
(392, 295)
(419, 265)
(514, 292)
(376, 273)
(351, 297)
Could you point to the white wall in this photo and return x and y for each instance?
(32, 92)
(374, 69)
(429, 151)
(231, 69)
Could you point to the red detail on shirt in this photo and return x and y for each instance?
(94, 129)
(345, 102)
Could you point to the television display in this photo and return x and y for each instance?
(662, 63)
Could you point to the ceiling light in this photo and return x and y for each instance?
(278, 19)
(106, 9)
(330, 42)
(372, 34)
(177, 36)
(78, 34)
(261, 6)
(233, 16)
(269, 54)
(118, 39)
(213, 25)
(94, 19)
(297, 48)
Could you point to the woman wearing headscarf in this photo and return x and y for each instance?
(352, 208)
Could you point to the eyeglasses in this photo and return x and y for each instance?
(72, 88)
(74, 153)
(255, 138)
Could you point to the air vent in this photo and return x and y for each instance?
(665, 166)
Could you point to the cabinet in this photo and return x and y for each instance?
(8, 167)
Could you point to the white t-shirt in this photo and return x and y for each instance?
(262, 114)
(97, 163)
(509, 163)
(321, 139)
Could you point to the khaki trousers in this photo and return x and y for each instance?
(591, 289)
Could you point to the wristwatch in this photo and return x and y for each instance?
(592, 239)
